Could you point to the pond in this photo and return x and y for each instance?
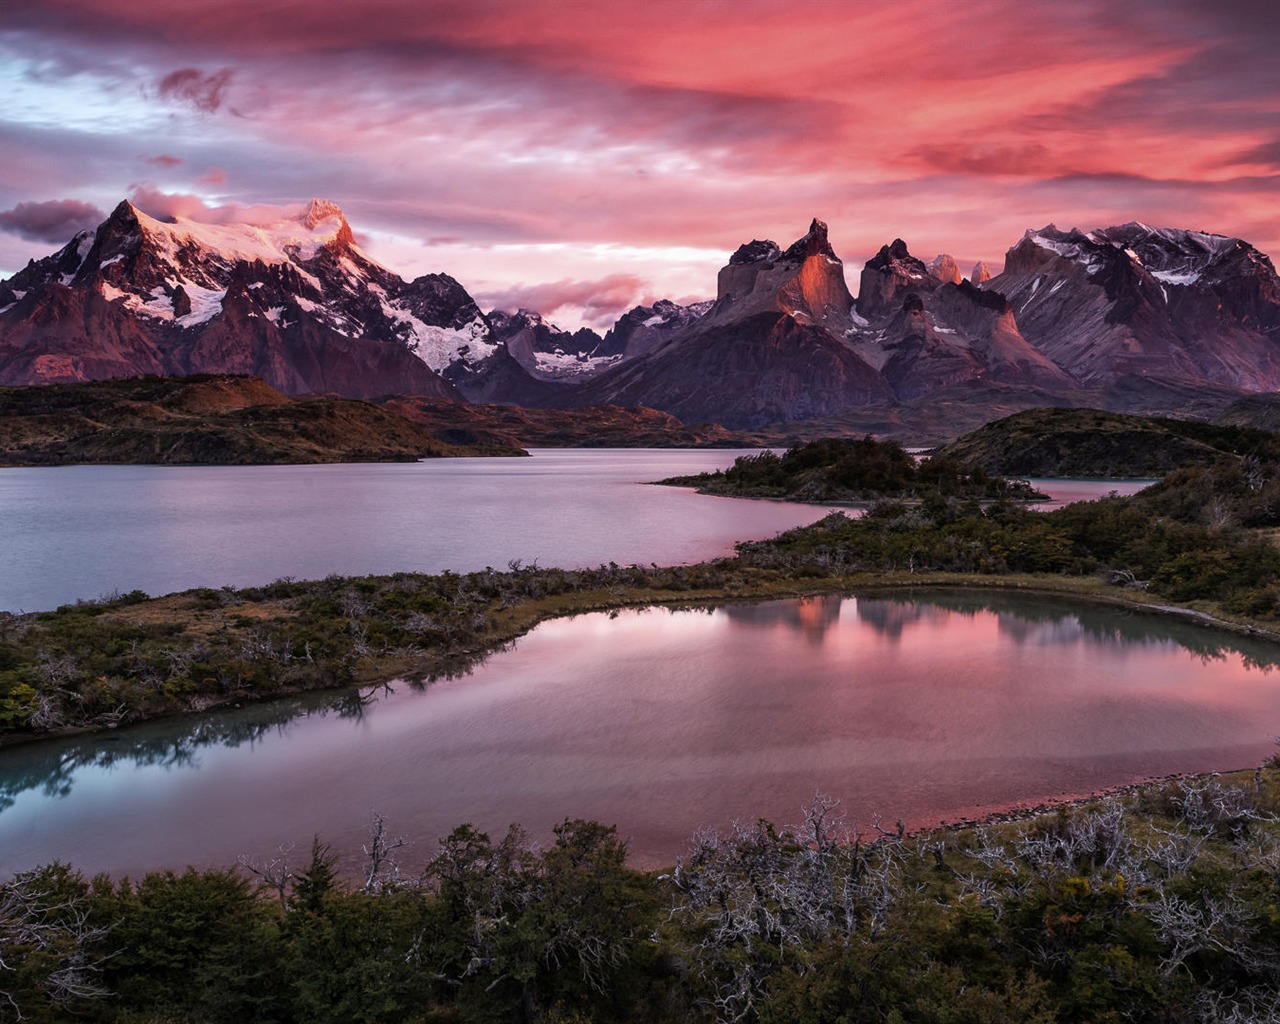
(925, 706)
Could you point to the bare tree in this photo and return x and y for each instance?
(381, 870)
(55, 928)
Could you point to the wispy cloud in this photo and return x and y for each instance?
(697, 124)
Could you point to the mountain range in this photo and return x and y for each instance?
(1130, 318)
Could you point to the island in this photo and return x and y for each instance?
(845, 471)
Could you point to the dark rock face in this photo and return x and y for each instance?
(887, 275)
(771, 349)
(1152, 302)
(297, 304)
(646, 328)
(924, 334)
(766, 368)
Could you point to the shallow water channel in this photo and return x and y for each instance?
(925, 706)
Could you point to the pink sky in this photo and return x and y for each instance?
(584, 157)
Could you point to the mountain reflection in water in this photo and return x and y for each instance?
(924, 705)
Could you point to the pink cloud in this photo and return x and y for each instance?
(53, 221)
(598, 302)
(204, 92)
(169, 205)
(675, 124)
(164, 160)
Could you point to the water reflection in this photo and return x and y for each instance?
(921, 705)
(52, 766)
(809, 616)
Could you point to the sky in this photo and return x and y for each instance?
(580, 158)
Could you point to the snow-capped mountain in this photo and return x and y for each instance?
(295, 302)
(1122, 317)
(546, 351)
(1153, 302)
(644, 328)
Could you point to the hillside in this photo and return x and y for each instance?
(1261, 412)
(595, 426)
(1093, 443)
(204, 420)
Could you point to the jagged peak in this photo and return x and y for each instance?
(814, 243)
(895, 255)
(318, 211)
(758, 250)
(945, 268)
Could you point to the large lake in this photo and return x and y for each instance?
(87, 531)
(924, 706)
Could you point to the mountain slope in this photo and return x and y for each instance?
(295, 302)
(1139, 300)
(203, 420)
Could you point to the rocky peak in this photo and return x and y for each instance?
(945, 269)
(756, 251)
(320, 211)
(889, 273)
(812, 244)
(805, 282)
(980, 274)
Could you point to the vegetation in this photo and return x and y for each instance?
(1179, 540)
(1200, 538)
(205, 420)
(847, 470)
(1158, 906)
(593, 426)
(1092, 443)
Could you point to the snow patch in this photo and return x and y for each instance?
(560, 365)
(285, 241)
(440, 346)
(1183, 277)
(206, 303)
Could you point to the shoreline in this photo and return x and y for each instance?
(519, 620)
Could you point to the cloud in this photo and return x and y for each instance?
(213, 176)
(599, 302)
(494, 127)
(204, 92)
(170, 205)
(55, 220)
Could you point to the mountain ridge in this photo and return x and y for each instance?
(1124, 312)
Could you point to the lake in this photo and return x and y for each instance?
(924, 706)
(82, 532)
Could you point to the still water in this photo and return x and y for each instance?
(923, 706)
(85, 531)
(77, 532)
